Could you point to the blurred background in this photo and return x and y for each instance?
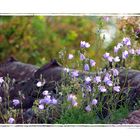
(38, 39)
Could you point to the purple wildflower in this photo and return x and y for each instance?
(92, 63)
(75, 73)
(97, 79)
(117, 59)
(109, 83)
(71, 97)
(88, 108)
(16, 102)
(82, 57)
(102, 88)
(54, 101)
(46, 100)
(42, 101)
(115, 72)
(86, 67)
(88, 88)
(70, 56)
(74, 103)
(107, 77)
(125, 54)
(106, 55)
(126, 41)
(87, 79)
(119, 45)
(94, 101)
(116, 88)
(132, 51)
(41, 107)
(84, 44)
(116, 49)
(110, 58)
(11, 120)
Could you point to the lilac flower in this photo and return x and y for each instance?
(88, 88)
(115, 72)
(102, 88)
(88, 108)
(74, 103)
(82, 57)
(138, 51)
(46, 100)
(107, 77)
(70, 56)
(87, 79)
(97, 79)
(126, 41)
(125, 54)
(86, 67)
(71, 97)
(54, 101)
(41, 107)
(45, 93)
(11, 120)
(106, 55)
(116, 88)
(116, 49)
(117, 59)
(94, 101)
(75, 73)
(92, 63)
(1, 80)
(39, 84)
(16, 102)
(42, 101)
(119, 45)
(109, 83)
(132, 51)
(84, 44)
(110, 58)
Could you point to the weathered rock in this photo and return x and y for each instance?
(130, 83)
(17, 70)
(133, 118)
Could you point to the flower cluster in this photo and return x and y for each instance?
(126, 51)
(94, 102)
(84, 44)
(16, 102)
(47, 100)
(103, 82)
(72, 99)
